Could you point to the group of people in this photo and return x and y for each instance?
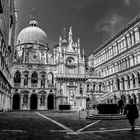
(130, 110)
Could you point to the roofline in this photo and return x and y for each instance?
(130, 23)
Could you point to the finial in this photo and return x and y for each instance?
(33, 14)
(33, 22)
(70, 31)
(78, 42)
(64, 32)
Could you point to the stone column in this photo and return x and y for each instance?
(121, 85)
(29, 82)
(136, 82)
(28, 105)
(22, 82)
(126, 84)
(38, 102)
(46, 103)
(131, 83)
(21, 101)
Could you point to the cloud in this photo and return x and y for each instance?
(110, 25)
(127, 2)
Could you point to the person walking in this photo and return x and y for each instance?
(131, 113)
(120, 106)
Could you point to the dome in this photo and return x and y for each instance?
(32, 34)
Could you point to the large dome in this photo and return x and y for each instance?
(32, 34)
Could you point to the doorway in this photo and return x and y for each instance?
(33, 101)
(50, 102)
(16, 102)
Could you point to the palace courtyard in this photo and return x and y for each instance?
(62, 125)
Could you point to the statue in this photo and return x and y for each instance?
(43, 82)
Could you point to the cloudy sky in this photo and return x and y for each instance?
(93, 21)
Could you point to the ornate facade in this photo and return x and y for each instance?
(116, 65)
(7, 31)
(42, 79)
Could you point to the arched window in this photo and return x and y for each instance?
(118, 83)
(50, 79)
(17, 77)
(87, 87)
(93, 87)
(133, 79)
(128, 78)
(99, 87)
(123, 85)
(34, 78)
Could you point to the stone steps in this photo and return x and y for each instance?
(107, 117)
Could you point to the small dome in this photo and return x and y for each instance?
(32, 34)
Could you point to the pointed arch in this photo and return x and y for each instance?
(128, 81)
(118, 83)
(123, 84)
(133, 79)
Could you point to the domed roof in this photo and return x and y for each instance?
(32, 34)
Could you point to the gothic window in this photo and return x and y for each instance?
(133, 79)
(17, 77)
(118, 83)
(123, 85)
(34, 78)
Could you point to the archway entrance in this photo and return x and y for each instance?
(50, 102)
(16, 102)
(33, 101)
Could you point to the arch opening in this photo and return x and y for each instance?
(33, 101)
(16, 102)
(50, 102)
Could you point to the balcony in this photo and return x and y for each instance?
(34, 85)
(71, 64)
(70, 76)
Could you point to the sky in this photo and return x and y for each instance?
(93, 21)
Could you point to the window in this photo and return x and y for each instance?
(34, 78)
(17, 77)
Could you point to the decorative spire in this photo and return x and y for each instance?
(79, 52)
(64, 32)
(70, 45)
(78, 42)
(83, 53)
(70, 35)
(60, 40)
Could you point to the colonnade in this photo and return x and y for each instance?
(120, 44)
